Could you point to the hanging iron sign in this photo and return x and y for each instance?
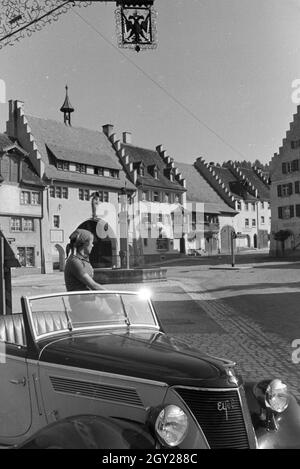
(136, 25)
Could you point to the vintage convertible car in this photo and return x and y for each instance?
(96, 370)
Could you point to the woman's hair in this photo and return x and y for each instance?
(78, 239)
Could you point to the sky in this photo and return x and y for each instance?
(219, 84)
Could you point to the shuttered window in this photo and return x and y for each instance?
(285, 190)
(286, 212)
(295, 165)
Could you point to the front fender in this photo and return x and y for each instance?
(90, 432)
(287, 434)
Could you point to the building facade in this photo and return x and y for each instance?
(83, 184)
(285, 193)
(210, 213)
(156, 227)
(21, 212)
(247, 192)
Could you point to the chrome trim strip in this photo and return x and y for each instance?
(247, 419)
(99, 373)
(35, 386)
(14, 357)
(206, 389)
(83, 292)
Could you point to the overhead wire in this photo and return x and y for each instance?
(162, 88)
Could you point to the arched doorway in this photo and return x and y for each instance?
(226, 239)
(58, 257)
(104, 248)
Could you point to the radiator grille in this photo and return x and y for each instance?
(222, 428)
(96, 391)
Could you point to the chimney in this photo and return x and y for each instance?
(127, 137)
(108, 130)
(12, 123)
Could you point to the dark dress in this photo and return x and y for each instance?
(76, 266)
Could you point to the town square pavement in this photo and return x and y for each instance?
(250, 313)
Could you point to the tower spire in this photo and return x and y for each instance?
(67, 108)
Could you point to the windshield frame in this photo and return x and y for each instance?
(99, 327)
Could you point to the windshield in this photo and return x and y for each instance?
(68, 311)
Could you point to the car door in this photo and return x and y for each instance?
(15, 405)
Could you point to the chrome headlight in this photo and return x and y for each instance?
(171, 425)
(277, 397)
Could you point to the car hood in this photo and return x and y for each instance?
(141, 354)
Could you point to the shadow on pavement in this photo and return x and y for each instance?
(254, 286)
(294, 264)
(276, 313)
(185, 316)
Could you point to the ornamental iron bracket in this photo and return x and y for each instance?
(136, 20)
(21, 18)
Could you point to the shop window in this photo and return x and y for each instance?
(26, 256)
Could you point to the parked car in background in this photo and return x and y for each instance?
(96, 370)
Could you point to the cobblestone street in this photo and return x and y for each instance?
(223, 313)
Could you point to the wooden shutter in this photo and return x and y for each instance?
(295, 166)
(279, 190)
(290, 188)
(284, 168)
(297, 210)
(291, 211)
(297, 187)
(279, 212)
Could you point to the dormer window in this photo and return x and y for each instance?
(63, 165)
(80, 168)
(114, 173)
(153, 170)
(98, 171)
(169, 173)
